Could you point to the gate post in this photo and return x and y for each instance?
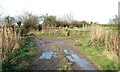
(119, 15)
(119, 32)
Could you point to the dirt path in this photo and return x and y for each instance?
(51, 49)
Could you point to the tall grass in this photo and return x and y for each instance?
(106, 39)
(10, 41)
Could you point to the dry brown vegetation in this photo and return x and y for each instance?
(106, 39)
(10, 41)
(59, 31)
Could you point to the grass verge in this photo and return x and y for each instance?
(41, 34)
(95, 55)
(20, 59)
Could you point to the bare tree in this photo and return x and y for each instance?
(9, 20)
(114, 20)
(68, 17)
(30, 21)
(49, 20)
(1, 13)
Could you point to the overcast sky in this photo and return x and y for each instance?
(90, 10)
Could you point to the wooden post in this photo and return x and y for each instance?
(2, 36)
(119, 32)
(19, 33)
(5, 48)
(2, 43)
(69, 32)
(66, 29)
(42, 30)
(106, 39)
(14, 33)
(83, 26)
(119, 16)
(6, 38)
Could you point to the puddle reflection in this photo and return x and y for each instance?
(39, 42)
(82, 62)
(66, 51)
(48, 55)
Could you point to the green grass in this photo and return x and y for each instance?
(41, 34)
(106, 27)
(115, 31)
(19, 59)
(96, 56)
(62, 30)
(105, 63)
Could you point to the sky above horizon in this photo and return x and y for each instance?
(90, 10)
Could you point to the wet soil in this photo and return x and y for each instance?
(51, 49)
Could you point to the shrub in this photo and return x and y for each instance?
(30, 22)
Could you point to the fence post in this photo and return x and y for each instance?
(6, 38)
(69, 32)
(5, 45)
(19, 33)
(119, 31)
(14, 33)
(106, 39)
(2, 43)
(8, 34)
(66, 29)
(2, 36)
(42, 29)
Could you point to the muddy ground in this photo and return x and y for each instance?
(54, 53)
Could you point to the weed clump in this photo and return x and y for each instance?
(106, 39)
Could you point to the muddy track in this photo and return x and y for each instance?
(47, 57)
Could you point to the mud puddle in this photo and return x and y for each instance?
(59, 42)
(39, 42)
(80, 61)
(48, 55)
